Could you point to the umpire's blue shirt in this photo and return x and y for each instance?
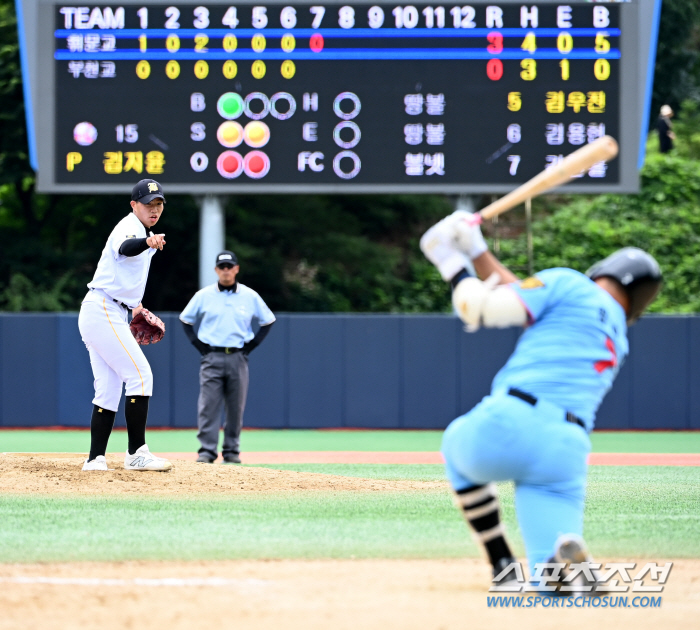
(225, 318)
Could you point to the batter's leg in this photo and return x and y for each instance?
(545, 512)
(477, 500)
(236, 389)
(211, 393)
(549, 496)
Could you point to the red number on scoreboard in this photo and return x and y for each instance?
(495, 42)
(494, 69)
(316, 42)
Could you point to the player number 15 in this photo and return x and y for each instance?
(127, 133)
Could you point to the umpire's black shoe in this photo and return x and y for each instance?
(205, 459)
(232, 458)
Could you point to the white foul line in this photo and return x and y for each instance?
(135, 581)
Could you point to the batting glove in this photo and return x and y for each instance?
(469, 298)
(438, 245)
(467, 233)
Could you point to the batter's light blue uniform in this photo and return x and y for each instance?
(567, 359)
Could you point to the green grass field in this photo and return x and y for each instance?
(309, 440)
(651, 512)
(642, 511)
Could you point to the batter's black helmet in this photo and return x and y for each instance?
(637, 271)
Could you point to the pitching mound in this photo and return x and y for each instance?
(60, 473)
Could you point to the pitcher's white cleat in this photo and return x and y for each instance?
(99, 463)
(143, 459)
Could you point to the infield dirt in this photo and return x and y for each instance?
(304, 595)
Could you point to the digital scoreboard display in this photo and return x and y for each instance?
(358, 97)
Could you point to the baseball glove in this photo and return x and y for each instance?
(147, 328)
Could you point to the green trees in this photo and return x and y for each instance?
(664, 219)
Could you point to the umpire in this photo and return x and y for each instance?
(223, 314)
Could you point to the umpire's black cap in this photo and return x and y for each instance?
(146, 191)
(226, 258)
(639, 274)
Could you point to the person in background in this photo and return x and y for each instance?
(223, 314)
(664, 127)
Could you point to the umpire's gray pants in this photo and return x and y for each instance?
(223, 378)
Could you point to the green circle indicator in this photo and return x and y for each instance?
(230, 105)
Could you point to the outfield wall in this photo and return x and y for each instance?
(325, 370)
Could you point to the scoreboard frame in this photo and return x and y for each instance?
(36, 23)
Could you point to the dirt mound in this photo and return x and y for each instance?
(60, 473)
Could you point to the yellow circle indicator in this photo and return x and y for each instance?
(288, 43)
(172, 69)
(288, 69)
(143, 69)
(230, 134)
(201, 69)
(230, 43)
(256, 134)
(258, 43)
(172, 43)
(258, 69)
(230, 69)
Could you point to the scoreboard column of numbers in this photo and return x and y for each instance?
(358, 95)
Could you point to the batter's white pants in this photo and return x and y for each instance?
(115, 356)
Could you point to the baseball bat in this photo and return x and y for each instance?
(601, 150)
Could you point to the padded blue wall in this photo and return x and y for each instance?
(326, 370)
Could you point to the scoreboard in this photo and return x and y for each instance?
(337, 97)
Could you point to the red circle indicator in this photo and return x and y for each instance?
(494, 69)
(230, 164)
(256, 164)
(316, 42)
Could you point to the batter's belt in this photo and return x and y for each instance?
(531, 400)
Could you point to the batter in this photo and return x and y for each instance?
(117, 288)
(533, 427)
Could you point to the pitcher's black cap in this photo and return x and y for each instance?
(146, 191)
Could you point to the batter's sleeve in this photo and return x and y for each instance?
(540, 292)
(192, 311)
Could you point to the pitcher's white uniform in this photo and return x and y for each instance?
(119, 282)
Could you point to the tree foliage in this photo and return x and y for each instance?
(662, 219)
(677, 71)
(340, 253)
